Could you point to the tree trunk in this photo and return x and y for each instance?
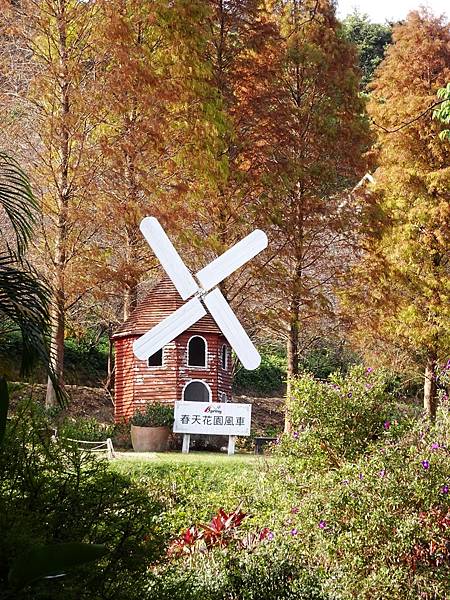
(56, 353)
(292, 356)
(430, 388)
(60, 258)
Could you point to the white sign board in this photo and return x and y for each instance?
(212, 418)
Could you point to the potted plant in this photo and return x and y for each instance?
(150, 428)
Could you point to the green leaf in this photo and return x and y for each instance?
(50, 561)
(17, 201)
(4, 402)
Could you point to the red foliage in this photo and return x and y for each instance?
(219, 532)
(435, 550)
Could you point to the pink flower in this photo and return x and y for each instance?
(387, 425)
(322, 524)
(294, 510)
(294, 531)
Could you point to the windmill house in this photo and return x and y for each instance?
(195, 366)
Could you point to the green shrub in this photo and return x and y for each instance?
(52, 493)
(327, 356)
(322, 359)
(266, 572)
(337, 420)
(269, 378)
(154, 415)
(85, 359)
(85, 428)
(381, 527)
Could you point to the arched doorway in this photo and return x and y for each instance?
(197, 391)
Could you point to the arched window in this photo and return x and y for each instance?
(197, 391)
(197, 352)
(224, 357)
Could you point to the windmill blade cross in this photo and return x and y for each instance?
(208, 277)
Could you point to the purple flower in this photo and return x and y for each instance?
(425, 464)
(444, 489)
(294, 510)
(294, 531)
(369, 370)
(361, 476)
(270, 536)
(345, 482)
(387, 425)
(349, 395)
(322, 524)
(382, 473)
(295, 435)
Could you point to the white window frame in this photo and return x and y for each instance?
(206, 353)
(198, 381)
(224, 368)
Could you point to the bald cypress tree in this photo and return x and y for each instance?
(401, 287)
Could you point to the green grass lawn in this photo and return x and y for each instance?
(192, 458)
(192, 487)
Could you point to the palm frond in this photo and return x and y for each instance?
(17, 201)
(24, 302)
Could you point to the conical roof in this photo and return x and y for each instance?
(162, 300)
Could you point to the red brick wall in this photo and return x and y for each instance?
(123, 384)
(136, 383)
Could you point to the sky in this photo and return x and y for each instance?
(393, 10)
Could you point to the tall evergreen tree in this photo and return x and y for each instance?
(371, 40)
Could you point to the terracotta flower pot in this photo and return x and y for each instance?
(149, 439)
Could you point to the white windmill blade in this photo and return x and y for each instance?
(169, 328)
(231, 328)
(168, 257)
(232, 259)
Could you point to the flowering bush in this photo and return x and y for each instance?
(381, 527)
(338, 419)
